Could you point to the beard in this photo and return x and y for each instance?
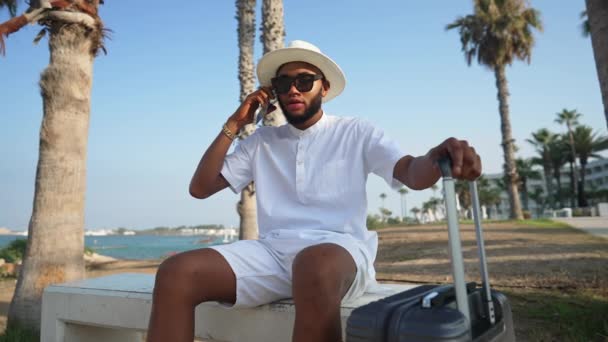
(315, 106)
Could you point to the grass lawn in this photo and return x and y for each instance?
(555, 276)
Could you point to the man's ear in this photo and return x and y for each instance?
(326, 86)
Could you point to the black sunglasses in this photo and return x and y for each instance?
(303, 82)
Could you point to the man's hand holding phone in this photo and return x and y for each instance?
(245, 114)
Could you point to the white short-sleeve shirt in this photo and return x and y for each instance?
(314, 179)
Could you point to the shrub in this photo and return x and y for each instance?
(14, 251)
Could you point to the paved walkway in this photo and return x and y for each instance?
(597, 226)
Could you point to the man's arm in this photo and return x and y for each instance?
(419, 173)
(207, 179)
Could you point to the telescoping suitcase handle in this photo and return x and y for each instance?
(445, 165)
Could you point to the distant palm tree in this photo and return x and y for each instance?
(383, 197)
(570, 119)
(541, 140)
(538, 196)
(245, 16)
(597, 13)
(587, 144)
(403, 191)
(75, 37)
(498, 32)
(431, 205)
(489, 195)
(559, 152)
(464, 196)
(526, 171)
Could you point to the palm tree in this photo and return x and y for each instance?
(245, 15)
(464, 196)
(525, 169)
(489, 196)
(570, 119)
(383, 197)
(415, 211)
(559, 152)
(538, 196)
(75, 36)
(403, 191)
(273, 37)
(498, 32)
(587, 144)
(386, 214)
(541, 140)
(431, 205)
(597, 13)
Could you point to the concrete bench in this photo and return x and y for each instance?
(117, 308)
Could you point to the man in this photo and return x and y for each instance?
(310, 177)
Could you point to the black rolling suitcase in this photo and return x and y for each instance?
(458, 312)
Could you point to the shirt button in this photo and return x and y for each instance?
(299, 162)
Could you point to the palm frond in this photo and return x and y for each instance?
(497, 32)
(585, 27)
(11, 5)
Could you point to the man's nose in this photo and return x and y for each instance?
(293, 89)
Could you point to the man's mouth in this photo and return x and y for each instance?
(295, 105)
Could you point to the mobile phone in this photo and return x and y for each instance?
(263, 111)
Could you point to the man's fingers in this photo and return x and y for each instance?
(268, 91)
(456, 154)
(471, 165)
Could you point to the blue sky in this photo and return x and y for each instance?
(169, 82)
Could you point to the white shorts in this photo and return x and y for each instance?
(263, 267)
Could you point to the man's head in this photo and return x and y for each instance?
(300, 88)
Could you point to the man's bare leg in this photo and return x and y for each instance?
(322, 275)
(182, 282)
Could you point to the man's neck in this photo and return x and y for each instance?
(310, 122)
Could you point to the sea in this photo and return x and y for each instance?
(138, 246)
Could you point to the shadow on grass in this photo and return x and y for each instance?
(559, 316)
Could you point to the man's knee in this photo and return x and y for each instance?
(174, 273)
(324, 271)
(197, 276)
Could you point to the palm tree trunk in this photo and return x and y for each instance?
(582, 197)
(507, 143)
(273, 29)
(549, 186)
(524, 195)
(573, 170)
(246, 207)
(56, 241)
(548, 182)
(597, 12)
(273, 37)
(558, 180)
(246, 32)
(573, 185)
(247, 210)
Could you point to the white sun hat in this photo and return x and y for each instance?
(301, 51)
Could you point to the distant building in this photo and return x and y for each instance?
(596, 178)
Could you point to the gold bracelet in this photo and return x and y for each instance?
(228, 133)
